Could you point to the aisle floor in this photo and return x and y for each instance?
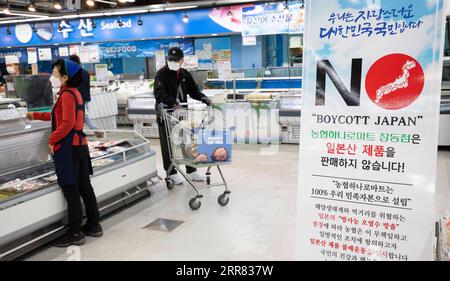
(258, 223)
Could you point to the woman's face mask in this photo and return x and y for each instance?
(173, 65)
(57, 76)
(56, 83)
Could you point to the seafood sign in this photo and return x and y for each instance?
(273, 19)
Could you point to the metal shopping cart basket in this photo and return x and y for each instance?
(188, 132)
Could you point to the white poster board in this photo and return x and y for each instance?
(224, 69)
(45, 54)
(74, 50)
(63, 51)
(249, 41)
(32, 55)
(94, 53)
(160, 59)
(84, 54)
(101, 72)
(369, 129)
(190, 62)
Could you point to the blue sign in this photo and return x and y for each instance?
(273, 19)
(111, 29)
(143, 49)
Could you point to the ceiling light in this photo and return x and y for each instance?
(186, 17)
(6, 11)
(90, 3)
(286, 7)
(31, 8)
(57, 5)
(123, 1)
(229, 13)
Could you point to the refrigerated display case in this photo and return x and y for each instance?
(290, 113)
(141, 111)
(126, 90)
(444, 120)
(32, 207)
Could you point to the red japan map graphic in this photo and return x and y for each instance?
(395, 81)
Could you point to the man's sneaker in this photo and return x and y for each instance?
(70, 239)
(177, 180)
(93, 231)
(195, 176)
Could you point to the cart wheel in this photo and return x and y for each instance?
(195, 204)
(223, 199)
(208, 180)
(170, 184)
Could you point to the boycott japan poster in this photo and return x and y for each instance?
(370, 114)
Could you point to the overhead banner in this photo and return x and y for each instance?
(127, 27)
(276, 18)
(369, 129)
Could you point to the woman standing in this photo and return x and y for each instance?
(68, 145)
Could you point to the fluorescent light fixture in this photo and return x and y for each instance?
(123, 1)
(24, 14)
(7, 11)
(106, 2)
(180, 8)
(172, 8)
(93, 15)
(129, 12)
(41, 18)
(70, 17)
(90, 3)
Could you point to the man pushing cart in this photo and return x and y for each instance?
(180, 142)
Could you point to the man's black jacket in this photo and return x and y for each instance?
(166, 87)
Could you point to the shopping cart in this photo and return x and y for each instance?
(185, 129)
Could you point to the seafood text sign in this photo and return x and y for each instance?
(370, 114)
(277, 18)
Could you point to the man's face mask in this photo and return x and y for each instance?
(11, 70)
(174, 65)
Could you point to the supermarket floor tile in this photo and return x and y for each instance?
(258, 223)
